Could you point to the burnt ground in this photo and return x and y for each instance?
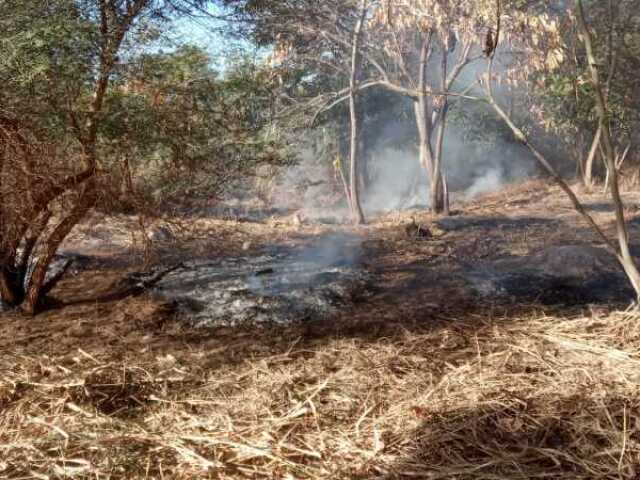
(461, 355)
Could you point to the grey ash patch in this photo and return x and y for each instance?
(280, 287)
(562, 275)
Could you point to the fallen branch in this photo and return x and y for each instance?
(132, 285)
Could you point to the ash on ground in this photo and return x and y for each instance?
(282, 286)
(558, 275)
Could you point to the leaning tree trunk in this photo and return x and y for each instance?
(626, 259)
(356, 209)
(621, 252)
(37, 288)
(588, 164)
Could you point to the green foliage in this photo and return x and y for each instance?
(35, 44)
(567, 95)
(169, 120)
(45, 61)
(188, 129)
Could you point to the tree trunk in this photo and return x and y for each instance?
(9, 294)
(424, 123)
(439, 203)
(439, 195)
(445, 188)
(356, 209)
(354, 187)
(627, 261)
(436, 193)
(338, 167)
(439, 199)
(424, 138)
(36, 287)
(588, 164)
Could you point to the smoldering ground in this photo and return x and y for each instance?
(280, 286)
(396, 180)
(479, 156)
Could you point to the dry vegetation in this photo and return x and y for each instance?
(390, 389)
(537, 396)
(463, 346)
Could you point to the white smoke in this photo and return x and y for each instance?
(475, 161)
(492, 181)
(398, 181)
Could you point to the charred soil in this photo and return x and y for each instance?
(499, 346)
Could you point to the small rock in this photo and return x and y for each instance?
(246, 246)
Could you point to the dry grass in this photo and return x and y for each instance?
(486, 398)
(401, 389)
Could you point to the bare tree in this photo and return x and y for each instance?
(325, 38)
(354, 186)
(408, 52)
(441, 33)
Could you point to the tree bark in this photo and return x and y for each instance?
(339, 171)
(8, 293)
(422, 112)
(438, 198)
(588, 164)
(438, 204)
(356, 208)
(425, 154)
(36, 286)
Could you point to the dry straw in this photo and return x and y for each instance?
(481, 398)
